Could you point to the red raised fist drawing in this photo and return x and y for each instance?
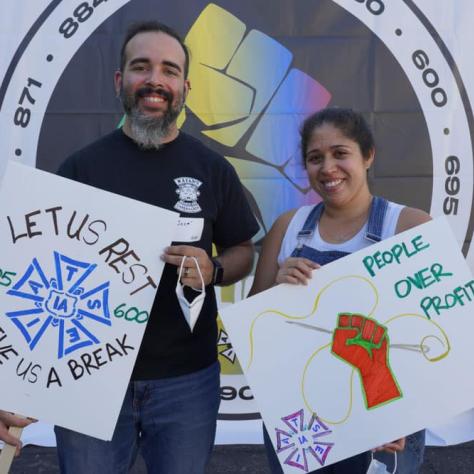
(363, 343)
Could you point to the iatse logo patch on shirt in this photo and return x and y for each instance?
(188, 192)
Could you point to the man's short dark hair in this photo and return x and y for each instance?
(155, 27)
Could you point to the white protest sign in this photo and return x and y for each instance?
(374, 348)
(79, 272)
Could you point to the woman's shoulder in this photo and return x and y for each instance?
(283, 221)
(411, 217)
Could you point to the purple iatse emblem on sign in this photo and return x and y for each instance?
(301, 439)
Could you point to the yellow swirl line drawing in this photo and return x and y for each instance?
(422, 346)
(315, 307)
(303, 391)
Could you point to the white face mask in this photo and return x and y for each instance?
(377, 467)
(191, 310)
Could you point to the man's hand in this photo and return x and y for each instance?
(6, 421)
(363, 343)
(236, 262)
(190, 276)
(296, 271)
(393, 447)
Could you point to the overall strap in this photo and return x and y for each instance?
(378, 209)
(309, 224)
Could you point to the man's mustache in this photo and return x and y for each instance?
(144, 91)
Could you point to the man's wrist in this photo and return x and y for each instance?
(218, 272)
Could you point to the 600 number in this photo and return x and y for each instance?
(430, 77)
(131, 314)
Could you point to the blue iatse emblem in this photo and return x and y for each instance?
(64, 304)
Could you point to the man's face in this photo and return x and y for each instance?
(152, 86)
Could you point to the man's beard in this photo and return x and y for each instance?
(149, 131)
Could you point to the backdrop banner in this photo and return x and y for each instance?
(256, 73)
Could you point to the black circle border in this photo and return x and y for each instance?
(409, 3)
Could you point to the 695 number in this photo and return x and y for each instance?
(452, 185)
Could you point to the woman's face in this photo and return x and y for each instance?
(336, 169)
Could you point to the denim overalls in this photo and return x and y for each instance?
(356, 464)
(378, 209)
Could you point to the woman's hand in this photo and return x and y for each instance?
(393, 447)
(6, 421)
(296, 271)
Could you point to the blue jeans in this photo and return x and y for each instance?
(172, 421)
(409, 461)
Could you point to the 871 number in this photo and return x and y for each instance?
(23, 114)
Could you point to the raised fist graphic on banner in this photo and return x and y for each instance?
(249, 101)
(363, 343)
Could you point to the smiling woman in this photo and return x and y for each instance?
(339, 152)
(338, 149)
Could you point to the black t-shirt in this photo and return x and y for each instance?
(183, 176)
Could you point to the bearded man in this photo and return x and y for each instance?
(170, 408)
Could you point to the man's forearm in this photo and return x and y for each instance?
(237, 262)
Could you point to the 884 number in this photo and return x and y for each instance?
(80, 15)
(376, 7)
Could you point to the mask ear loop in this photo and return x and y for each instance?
(200, 290)
(200, 276)
(181, 268)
